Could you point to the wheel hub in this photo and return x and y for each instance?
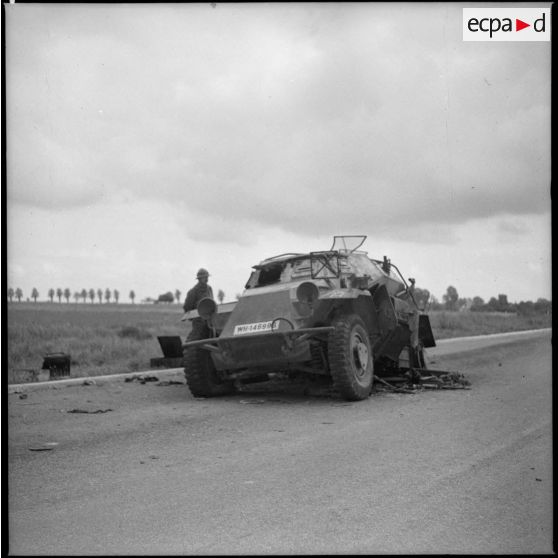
(362, 351)
(360, 354)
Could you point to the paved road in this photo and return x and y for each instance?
(278, 471)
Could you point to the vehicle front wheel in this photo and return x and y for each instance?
(350, 358)
(201, 376)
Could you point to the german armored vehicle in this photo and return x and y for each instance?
(335, 313)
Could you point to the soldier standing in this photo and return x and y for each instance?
(200, 290)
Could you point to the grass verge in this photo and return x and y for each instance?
(116, 338)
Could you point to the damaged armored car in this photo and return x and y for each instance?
(334, 314)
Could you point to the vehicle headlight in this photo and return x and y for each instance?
(307, 293)
(206, 308)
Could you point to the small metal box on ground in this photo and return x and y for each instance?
(171, 345)
(58, 365)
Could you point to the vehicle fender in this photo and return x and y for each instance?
(362, 306)
(425, 331)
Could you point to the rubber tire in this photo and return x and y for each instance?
(201, 375)
(352, 380)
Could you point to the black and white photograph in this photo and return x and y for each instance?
(277, 278)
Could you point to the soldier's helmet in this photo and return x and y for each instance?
(202, 273)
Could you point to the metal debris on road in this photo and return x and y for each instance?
(170, 383)
(47, 446)
(390, 387)
(89, 412)
(142, 378)
(411, 383)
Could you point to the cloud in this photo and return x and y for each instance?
(513, 228)
(280, 117)
(252, 125)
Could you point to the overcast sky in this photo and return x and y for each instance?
(146, 141)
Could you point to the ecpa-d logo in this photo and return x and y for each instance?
(506, 24)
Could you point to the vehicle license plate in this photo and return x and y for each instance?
(242, 329)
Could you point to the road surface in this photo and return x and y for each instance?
(155, 471)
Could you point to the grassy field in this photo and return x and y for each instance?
(463, 324)
(110, 338)
(101, 339)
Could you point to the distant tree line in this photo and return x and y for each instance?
(99, 295)
(424, 299)
(107, 295)
(453, 303)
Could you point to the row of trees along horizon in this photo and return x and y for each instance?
(99, 295)
(425, 300)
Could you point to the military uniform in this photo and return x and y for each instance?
(195, 294)
(200, 330)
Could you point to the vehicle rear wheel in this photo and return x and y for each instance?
(201, 376)
(350, 358)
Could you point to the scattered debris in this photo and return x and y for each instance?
(89, 412)
(390, 387)
(142, 378)
(170, 383)
(41, 448)
(411, 383)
